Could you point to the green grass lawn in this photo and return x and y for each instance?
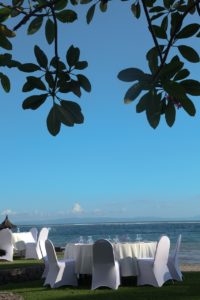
(189, 289)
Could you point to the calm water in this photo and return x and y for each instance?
(151, 231)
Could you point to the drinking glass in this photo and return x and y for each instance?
(81, 241)
(90, 240)
(116, 239)
(138, 237)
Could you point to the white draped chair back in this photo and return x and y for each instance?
(6, 244)
(34, 232)
(105, 270)
(33, 249)
(59, 272)
(44, 257)
(154, 271)
(173, 261)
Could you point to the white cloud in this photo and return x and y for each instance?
(8, 212)
(77, 209)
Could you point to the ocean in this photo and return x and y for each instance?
(62, 234)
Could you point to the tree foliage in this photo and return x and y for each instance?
(160, 92)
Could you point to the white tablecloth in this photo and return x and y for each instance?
(125, 253)
(21, 238)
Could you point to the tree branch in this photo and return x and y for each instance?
(55, 50)
(151, 30)
(173, 37)
(33, 13)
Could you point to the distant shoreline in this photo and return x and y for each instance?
(109, 223)
(190, 267)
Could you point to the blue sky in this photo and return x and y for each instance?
(115, 164)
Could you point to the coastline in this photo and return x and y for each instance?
(190, 267)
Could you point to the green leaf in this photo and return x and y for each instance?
(4, 30)
(49, 79)
(181, 74)
(167, 3)
(188, 105)
(27, 87)
(66, 16)
(35, 25)
(170, 69)
(130, 74)
(5, 82)
(156, 9)
(159, 32)
(152, 57)
(170, 113)
(103, 6)
(5, 43)
(174, 89)
(54, 63)
(36, 83)
(90, 13)
(85, 1)
(64, 116)
(59, 5)
(28, 67)
(153, 109)
(35, 101)
(188, 31)
(72, 55)
(156, 16)
(74, 110)
(80, 65)
(141, 106)
(41, 57)
(53, 121)
(191, 86)
(49, 31)
(176, 22)
(74, 2)
(136, 10)
(132, 93)
(189, 53)
(164, 23)
(84, 82)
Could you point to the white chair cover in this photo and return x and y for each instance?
(6, 243)
(154, 271)
(33, 249)
(34, 232)
(59, 272)
(44, 257)
(173, 262)
(105, 270)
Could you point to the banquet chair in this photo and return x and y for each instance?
(33, 249)
(173, 262)
(6, 244)
(105, 269)
(44, 257)
(154, 271)
(59, 272)
(34, 232)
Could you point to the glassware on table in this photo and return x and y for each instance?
(128, 238)
(81, 240)
(138, 237)
(90, 240)
(18, 229)
(116, 239)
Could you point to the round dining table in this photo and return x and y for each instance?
(125, 253)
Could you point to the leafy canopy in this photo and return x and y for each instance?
(161, 92)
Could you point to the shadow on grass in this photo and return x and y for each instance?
(189, 289)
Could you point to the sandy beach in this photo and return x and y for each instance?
(190, 267)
